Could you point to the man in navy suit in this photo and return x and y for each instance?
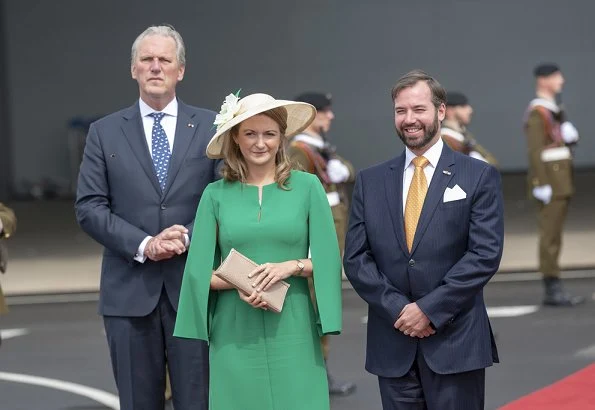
(143, 172)
(420, 255)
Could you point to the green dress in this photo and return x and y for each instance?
(259, 359)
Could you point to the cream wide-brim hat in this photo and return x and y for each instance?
(299, 116)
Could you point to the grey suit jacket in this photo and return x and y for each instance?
(456, 249)
(119, 202)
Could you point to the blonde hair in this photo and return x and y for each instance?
(235, 167)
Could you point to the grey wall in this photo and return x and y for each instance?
(71, 57)
(5, 140)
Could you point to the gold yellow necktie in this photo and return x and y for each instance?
(415, 199)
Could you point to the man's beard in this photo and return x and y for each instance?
(429, 134)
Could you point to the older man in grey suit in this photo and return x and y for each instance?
(143, 172)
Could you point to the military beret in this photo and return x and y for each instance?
(545, 69)
(320, 101)
(454, 98)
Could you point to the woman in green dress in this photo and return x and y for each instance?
(279, 218)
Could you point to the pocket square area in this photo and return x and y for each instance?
(455, 193)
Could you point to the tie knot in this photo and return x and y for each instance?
(420, 162)
(157, 116)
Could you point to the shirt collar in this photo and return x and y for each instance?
(453, 125)
(549, 104)
(170, 109)
(309, 139)
(432, 155)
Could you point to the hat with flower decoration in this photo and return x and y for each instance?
(235, 110)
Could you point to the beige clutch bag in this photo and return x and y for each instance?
(235, 269)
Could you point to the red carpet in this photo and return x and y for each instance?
(575, 392)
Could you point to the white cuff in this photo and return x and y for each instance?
(186, 241)
(140, 253)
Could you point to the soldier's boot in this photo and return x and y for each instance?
(339, 388)
(556, 295)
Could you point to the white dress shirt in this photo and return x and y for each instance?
(168, 122)
(432, 155)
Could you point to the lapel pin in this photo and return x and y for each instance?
(445, 172)
(191, 125)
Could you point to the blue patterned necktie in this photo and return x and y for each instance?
(160, 149)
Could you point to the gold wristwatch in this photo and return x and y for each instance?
(300, 266)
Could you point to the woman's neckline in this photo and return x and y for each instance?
(260, 186)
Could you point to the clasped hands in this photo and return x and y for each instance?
(169, 242)
(413, 322)
(265, 276)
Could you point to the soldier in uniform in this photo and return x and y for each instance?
(8, 224)
(549, 139)
(312, 152)
(454, 128)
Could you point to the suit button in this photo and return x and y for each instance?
(411, 262)
(163, 207)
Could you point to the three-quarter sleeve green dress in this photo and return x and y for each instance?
(260, 359)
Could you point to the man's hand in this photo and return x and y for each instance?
(413, 322)
(174, 232)
(543, 193)
(156, 251)
(337, 171)
(569, 132)
(167, 243)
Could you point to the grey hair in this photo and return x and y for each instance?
(165, 31)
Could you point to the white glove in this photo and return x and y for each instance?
(543, 193)
(569, 132)
(337, 171)
(477, 155)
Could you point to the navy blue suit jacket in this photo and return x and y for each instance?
(456, 250)
(119, 203)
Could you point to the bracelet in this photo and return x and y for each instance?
(300, 266)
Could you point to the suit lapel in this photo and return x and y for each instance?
(436, 190)
(135, 134)
(393, 184)
(186, 126)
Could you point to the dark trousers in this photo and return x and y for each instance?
(423, 389)
(139, 348)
